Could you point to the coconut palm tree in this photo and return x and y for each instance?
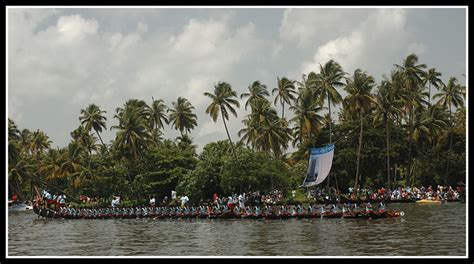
(432, 78)
(26, 137)
(274, 136)
(330, 78)
(428, 126)
(411, 74)
(306, 116)
(250, 132)
(387, 109)
(285, 93)
(50, 167)
(451, 94)
(256, 90)
(181, 116)
(133, 135)
(359, 99)
(223, 100)
(40, 142)
(157, 114)
(72, 165)
(185, 142)
(93, 118)
(13, 132)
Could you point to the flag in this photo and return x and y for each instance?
(319, 165)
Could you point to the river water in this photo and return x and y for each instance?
(425, 230)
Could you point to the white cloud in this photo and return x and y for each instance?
(368, 46)
(74, 27)
(306, 26)
(74, 60)
(210, 127)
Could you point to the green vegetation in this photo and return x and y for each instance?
(387, 134)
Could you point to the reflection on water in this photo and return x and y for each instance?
(425, 230)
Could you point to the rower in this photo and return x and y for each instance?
(300, 209)
(381, 207)
(268, 210)
(237, 210)
(282, 210)
(257, 210)
(368, 207)
(322, 210)
(46, 198)
(248, 210)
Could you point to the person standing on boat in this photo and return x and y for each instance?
(116, 201)
(184, 201)
(241, 201)
(47, 198)
(14, 198)
(152, 201)
(61, 200)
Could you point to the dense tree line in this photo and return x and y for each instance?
(409, 129)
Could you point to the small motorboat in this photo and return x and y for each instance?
(14, 207)
(429, 201)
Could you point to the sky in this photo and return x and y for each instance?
(60, 60)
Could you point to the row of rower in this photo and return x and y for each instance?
(284, 211)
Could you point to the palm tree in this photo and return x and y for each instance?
(71, 167)
(185, 142)
(223, 99)
(256, 90)
(157, 114)
(93, 118)
(250, 132)
(275, 136)
(26, 137)
(88, 141)
(50, 167)
(359, 100)
(432, 78)
(411, 73)
(307, 118)
(40, 142)
(181, 115)
(13, 132)
(387, 109)
(285, 93)
(452, 94)
(328, 80)
(428, 126)
(135, 105)
(133, 134)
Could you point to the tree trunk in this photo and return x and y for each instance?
(97, 132)
(388, 153)
(358, 152)
(407, 176)
(330, 121)
(450, 145)
(395, 175)
(282, 108)
(429, 93)
(227, 131)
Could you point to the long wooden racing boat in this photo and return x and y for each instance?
(131, 213)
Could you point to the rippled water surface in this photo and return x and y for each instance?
(425, 230)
